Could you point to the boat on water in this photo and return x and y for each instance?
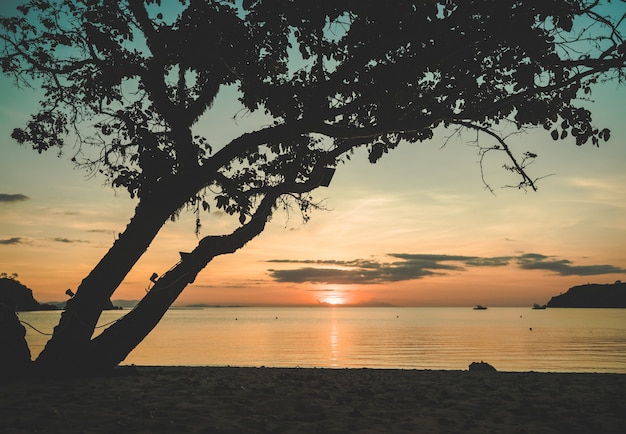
(539, 306)
(480, 307)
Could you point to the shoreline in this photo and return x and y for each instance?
(330, 400)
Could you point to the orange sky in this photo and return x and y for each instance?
(417, 229)
(422, 201)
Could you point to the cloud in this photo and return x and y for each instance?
(346, 276)
(410, 266)
(361, 271)
(10, 198)
(433, 261)
(67, 240)
(364, 263)
(219, 286)
(11, 241)
(564, 267)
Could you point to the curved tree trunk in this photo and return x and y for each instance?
(71, 350)
(115, 343)
(14, 352)
(65, 352)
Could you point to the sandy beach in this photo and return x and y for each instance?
(280, 400)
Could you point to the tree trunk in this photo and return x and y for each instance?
(65, 353)
(115, 343)
(14, 351)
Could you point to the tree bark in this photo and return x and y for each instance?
(14, 352)
(114, 344)
(65, 353)
(71, 351)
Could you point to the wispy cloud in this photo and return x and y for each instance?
(11, 198)
(564, 267)
(67, 240)
(220, 286)
(409, 266)
(11, 241)
(365, 271)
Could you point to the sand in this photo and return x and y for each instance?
(278, 400)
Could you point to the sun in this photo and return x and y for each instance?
(334, 300)
(334, 297)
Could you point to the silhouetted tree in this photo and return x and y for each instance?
(130, 80)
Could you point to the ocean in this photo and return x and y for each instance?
(510, 339)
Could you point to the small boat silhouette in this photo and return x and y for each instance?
(479, 307)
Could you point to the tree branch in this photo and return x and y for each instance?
(517, 167)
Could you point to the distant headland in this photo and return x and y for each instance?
(14, 293)
(590, 295)
(593, 295)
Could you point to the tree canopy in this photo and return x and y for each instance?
(125, 85)
(132, 79)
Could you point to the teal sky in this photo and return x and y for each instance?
(417, 228)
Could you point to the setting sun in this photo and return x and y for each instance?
(418, 228)
(333, 297)
(334, 300)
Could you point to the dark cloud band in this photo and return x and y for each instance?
(11, 241)
(407, 266)
(67, 240)
(10, 198)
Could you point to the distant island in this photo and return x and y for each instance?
(593, 295)
(15, 293)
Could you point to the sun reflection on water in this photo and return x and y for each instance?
(511, 339)
(334, 343)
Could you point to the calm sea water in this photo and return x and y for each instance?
(510, 339)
